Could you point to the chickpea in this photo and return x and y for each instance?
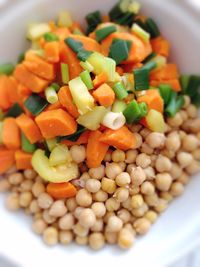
(138, 176)
(108, 185)
(30, 174)
(162, 205)
(135, 128)
(84, 198)
(140, 211)
(191, 111)
(4, 185)
(107, 216)
(124, 215)
(50, 236)
(26, 185)
(166, 196)
(96, 241)
(137, 201)
(66, 222)
(85, 176)
(97, 226)
(142, 226)
(190, 143)
(115, 224)
(150, 173)
(107, 157)
(122, 165)
(151, 200)
(184, 178)
(93, 185)
(39, 226)
(170, 154)
(100, 196)
(187, 101)
(143, 160)
(130, 167)
(15, 178)
(146, 149)
(34, 207)
(71, 204)
(196, 154)
(45, 201)
(111, 237)
(163, 181)
(118, 156)
(78, 153)
(177, 189)
(127, 204)
(58, 209)
(97, 173)
(193, 168)
(78, 211)
(184, 115)
(131, 156)
(176, 171)
(125, 239)
(79, 230)
(138, 140)
(65, 237)
(151, 216)
(47, 218)
(123, 179)
(145, 132)
(176, 121)
(156, 140)
(37, 189)
(37, 215)
(129, 226)
(13, 169)
(163, 164)
(81, 240)
(12, 202)
(98, 209)
(173, 141)
(25, 199)
(87, 218)
(112, 204)
(184, 159)
(147, 188)
(133, 190)
(112, 170)
(121, 194)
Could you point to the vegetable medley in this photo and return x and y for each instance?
(100, 126)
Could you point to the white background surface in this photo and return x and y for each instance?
(186, 207)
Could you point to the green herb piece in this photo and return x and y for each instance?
(86, 78)
(6, 68)
(35, 104)
(50, 37)
(141, 77)
(14, 111)
(101, 34)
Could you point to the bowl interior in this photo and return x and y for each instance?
(179, 225)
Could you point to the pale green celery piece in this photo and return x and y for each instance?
(64, 19)
(60, 155)
(155, 121)
(35, 45)
(119, 106)
(35, 31)
(65, 73)
(51, 143)
(1, 131)
(39, 52)
(117, 78)
(92, 119)
(124, 5)
(77, 32)
(60, 174)
(128, 81)
(1, 115)
(134, 7)
(51, 95)
(81, 96)
(87, 66)
(160, 61)
(145, 36)
(97, 60)
(109, 67)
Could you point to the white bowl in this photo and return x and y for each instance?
(178, 229)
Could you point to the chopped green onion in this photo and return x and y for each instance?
(133, 112)
(150, 57)
(126, 19)
(64, 19)
(51, 95)
(55, 86)
(141, 24)
(50, 37)
(109, 68)
(6, 68)
(86, 66)
(14, 111)
(119, 51)
(39, 52)
(37, 30)
(93, 19)
(150, 65)
(86, 78)
(196, 99)
(134, 7)
(101, 34)
(1, 114)
(119, 106)
(21, 57)
(77, 32)
(165, 92)
(26, 145)
(143, 109)
(174, 105)
(73, 137)
(65, 73)
(124, 4)
(184, 80)
(145, 36)
(51, 143)
(83, 55)
(141, 77)
(116, 12)
(120, 91)
(76, 46)
(35, 104)
(193, 85)
(152, 28)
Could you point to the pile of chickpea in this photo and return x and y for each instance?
(121, 198)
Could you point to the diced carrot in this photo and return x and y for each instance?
(39, 66)
(52, 25)
(61, 190)
(139, 49)
(62, 32)
(12, 86)
(127, 68)
(83, 139)
(174, 83)
(153, 100)
(160, 46)
(122, 138)
(66, 101)
(88, 43)
(4, 99)
(104, 95)
(28, 79)
(29, 128)
(56, 105)
(42, 42)
(100, 79)
(120, 70)
(56, 122)
(11, 134)
(74, 26)
(105, 18)
(96, 150)
(23, 160)
(167, 72)
(52, 50)
(23, 92)
(92, 35)
(7, 159)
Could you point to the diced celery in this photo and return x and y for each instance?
(36, 31)
(119, 106)
(59, 174)
(140, 32)
(60, 155)
(155, 121)
(124, 5)
(86, 66)
(109, 67)
(35, 46)
(117, 78)
(134, 7)
(51, 95)
(1, 131)
(77, 32)
(51, 143)
(82, 98)
(39, 52)
(92, 119)
(160, 61)
(64, 19)
(128, 81)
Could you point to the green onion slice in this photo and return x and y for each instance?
(50, 37)
(26, 145)
(120, 91)
(86, 78)
(35, 104)
(14, 111)
(76, 46)
(101, 34)
(73, 137)
(141, 77)
(6, 68)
